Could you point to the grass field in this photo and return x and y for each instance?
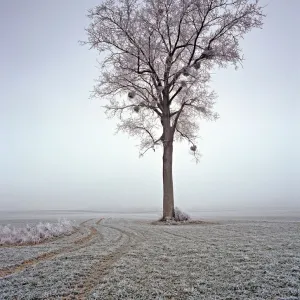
(128, 259)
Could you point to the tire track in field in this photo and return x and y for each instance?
(76, 245)
(101, 268)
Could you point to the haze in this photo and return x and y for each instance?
(58, 150)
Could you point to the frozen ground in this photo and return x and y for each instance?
(116, 258)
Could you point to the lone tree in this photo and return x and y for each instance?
(157, 60)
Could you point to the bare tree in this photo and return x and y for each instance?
(158, 57)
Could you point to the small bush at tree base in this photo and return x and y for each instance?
(180, 216)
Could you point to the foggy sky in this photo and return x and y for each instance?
(58, 150)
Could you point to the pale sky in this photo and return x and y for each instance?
(58, 150)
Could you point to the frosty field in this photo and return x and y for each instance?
(114, 258)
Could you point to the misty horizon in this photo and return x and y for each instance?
(58, 150)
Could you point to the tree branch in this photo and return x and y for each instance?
(176, 93)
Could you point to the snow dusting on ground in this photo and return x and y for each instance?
(129, 259)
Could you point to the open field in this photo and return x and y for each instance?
(114, 258)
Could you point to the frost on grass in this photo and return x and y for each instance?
(10, 235)
(245, 260)
(241, 260)
(66, 274)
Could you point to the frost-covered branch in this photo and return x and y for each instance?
(159, 54)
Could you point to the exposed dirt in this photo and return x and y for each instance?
(102, 267)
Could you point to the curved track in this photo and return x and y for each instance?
(103, 245)
(76, 244)
(119, 259)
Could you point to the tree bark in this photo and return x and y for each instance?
(168, 193)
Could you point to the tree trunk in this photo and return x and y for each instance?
(168, 136)
(168, 196)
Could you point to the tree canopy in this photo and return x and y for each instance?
(158, 59)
